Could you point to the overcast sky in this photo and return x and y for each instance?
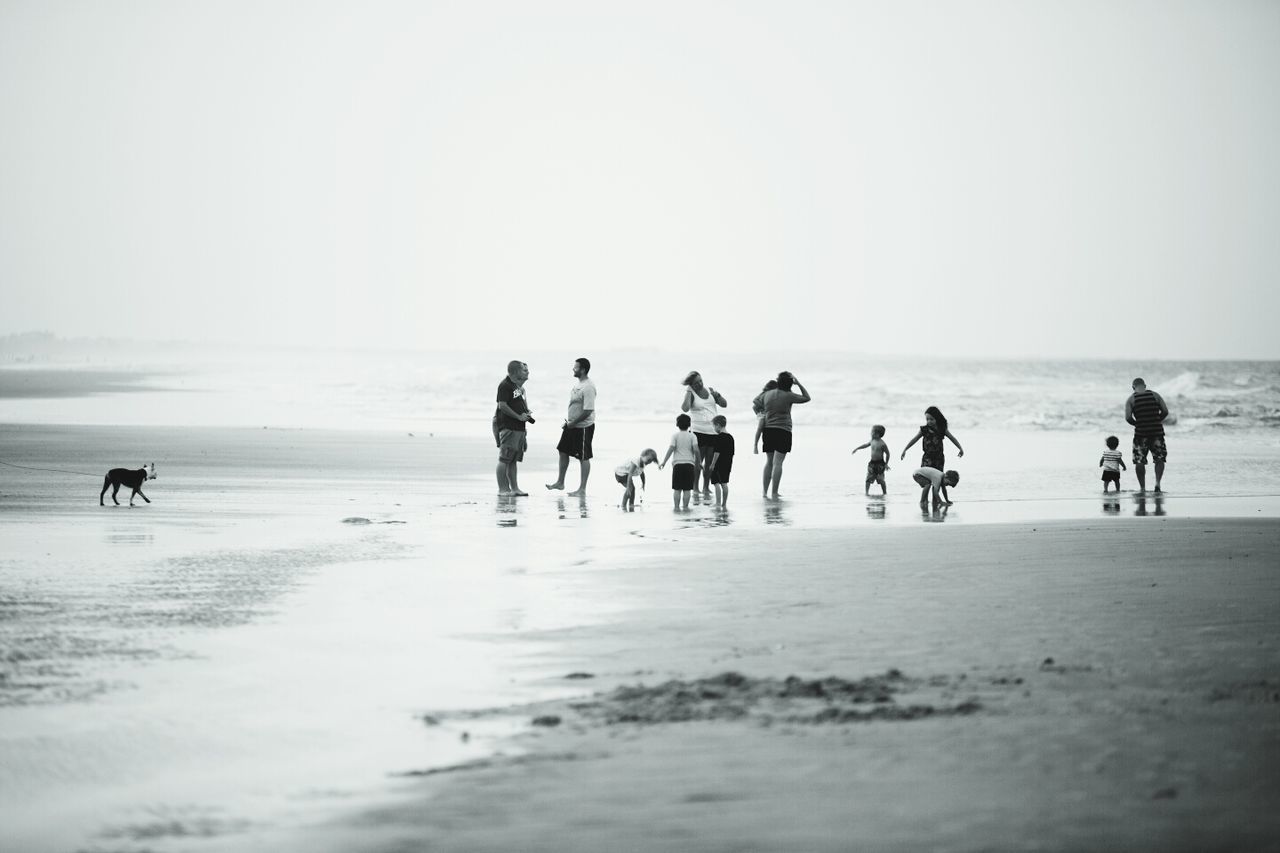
(979, 178)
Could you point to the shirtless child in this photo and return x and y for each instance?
(931, 479)
(879, 462)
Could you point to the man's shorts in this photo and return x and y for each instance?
(512, 443)
(1111, 477)
(576, 441)
(875, 472)
(1153, 443)
(777, 440)
(684, 477)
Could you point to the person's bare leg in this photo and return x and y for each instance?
(1141, 471)
(515, 485)
(724, 494)
(1159, 474)
(504, 478)
(564, 467)
(768, 474)
(778, 460)
(687, 494)
(584, 466)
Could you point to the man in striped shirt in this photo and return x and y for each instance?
(1145, 409)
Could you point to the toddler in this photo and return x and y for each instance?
(879, 459)
(1111, 463)
(627, 473)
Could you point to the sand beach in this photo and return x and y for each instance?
(321, 639)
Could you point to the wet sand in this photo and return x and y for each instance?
(1088, 686)
(245, 664)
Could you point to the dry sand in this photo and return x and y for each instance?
(1091, 686)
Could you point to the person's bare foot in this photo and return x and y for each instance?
(555, 487)
(516, 493)
(505, 493)
(576, 493)
(1158, 490)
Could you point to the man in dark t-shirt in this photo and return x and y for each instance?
(510, 417)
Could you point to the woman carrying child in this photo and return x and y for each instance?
(931, 435)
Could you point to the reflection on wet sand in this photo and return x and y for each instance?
(1111, 505)
(773, 513)
(572, 507)
(876, 510)
(933, 514)
(1141, 505)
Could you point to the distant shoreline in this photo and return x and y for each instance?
(35, 383)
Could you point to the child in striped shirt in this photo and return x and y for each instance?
(1111, 462)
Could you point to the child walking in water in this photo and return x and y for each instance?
(933, 431)
(879, 459)
(684, 473)
(1111, 463)
(628, 472)
(721, 463)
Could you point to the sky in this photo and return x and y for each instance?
(1010, 179)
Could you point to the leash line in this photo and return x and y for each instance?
(52, 470)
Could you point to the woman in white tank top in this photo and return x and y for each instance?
(702, 403)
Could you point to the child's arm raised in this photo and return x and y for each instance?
(859, 447)
(919, 433)
(956, 443)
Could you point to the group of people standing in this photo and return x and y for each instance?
(703, 450)
(703, 456)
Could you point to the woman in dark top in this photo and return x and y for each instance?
(931, 434)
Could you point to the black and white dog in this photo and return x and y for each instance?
(118, 477)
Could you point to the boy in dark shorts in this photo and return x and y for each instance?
(684, 473)
(879, 459)
(1111, 463)
(721, 459)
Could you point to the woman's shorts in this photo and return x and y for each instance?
(684, 477)
(777, 440)
(705, 440)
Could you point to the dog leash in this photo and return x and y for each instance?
(53, 470)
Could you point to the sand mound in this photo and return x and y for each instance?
(731, 696)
